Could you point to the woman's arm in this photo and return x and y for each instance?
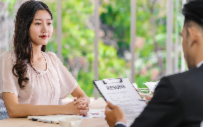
(15, 109)
(79, 93)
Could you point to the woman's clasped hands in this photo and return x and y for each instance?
(80, 106)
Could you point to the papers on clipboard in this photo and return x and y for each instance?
(96, 113)
(93, 113)
(122, 93)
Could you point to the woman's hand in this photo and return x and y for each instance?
(84, 103)
(82, 100)
(76, 109)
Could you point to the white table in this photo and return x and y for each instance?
(24, 122)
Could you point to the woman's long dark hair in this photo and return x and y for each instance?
(22, 43)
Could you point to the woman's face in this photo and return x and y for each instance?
(41, 28)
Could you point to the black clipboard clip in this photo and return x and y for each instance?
(112, 80)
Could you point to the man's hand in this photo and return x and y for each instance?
(150, 97)
(114, 114)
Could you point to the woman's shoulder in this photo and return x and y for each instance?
(8, 55)
(5, 54)
(51, 55)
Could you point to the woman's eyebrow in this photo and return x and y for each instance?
(41, 19)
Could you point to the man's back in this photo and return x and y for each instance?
(178, 99)
(177, 102)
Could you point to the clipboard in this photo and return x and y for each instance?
(106, 81)
(111, 80)
(121, 92)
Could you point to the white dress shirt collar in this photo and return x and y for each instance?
(200, 64)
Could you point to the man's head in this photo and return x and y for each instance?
(192, 32)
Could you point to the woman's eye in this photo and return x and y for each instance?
(38, 23)
(49, 23)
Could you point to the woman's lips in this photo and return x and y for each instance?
(44, 36)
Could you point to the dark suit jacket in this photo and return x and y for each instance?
(177, 102)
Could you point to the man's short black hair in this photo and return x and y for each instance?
(193, 11)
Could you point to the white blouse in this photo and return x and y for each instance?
(43, 87)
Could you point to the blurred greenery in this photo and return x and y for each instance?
(114, 45)
(78, 42)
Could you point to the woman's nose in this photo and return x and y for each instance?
(44, 28)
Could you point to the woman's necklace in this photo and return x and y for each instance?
(34, 68)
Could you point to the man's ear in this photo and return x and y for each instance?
(193, 32)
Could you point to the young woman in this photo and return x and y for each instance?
(31, 80)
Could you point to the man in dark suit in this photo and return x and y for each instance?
(178, 99)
